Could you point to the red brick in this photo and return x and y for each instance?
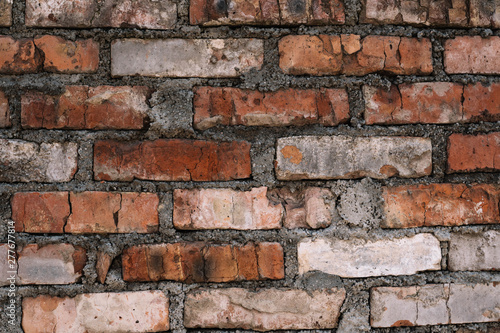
(425, 103)
(271, 261)
(201, 262)
(471, 153)
(133, 311)
(411, 206)
(233, 106)
(83, 107)
(40, 212)
(482, 103)
(65, 56)
(50, 264)
(172, 160)
(107, 212)
(461, 13)
(102, 265)
(18, 56)
(432, 103)
(4, 111)
(472, 55)
(267, 12)
(225, 209)
(327, 55)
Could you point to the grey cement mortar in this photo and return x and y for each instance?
(359, 203)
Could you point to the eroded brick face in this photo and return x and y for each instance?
(201, 262)
(266, 12)
(440, 205)
(85, 212)
(232, 106)
(343, 54)
(474, 13)
(472, 55)
(83, 107)
(4, 111)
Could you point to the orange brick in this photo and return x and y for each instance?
(64, 56)
(18, 56)
(172, 160)
(472, 153)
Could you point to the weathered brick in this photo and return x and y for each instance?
(361, 258)
(233, 106)
(107, 212)
(472, 55)
(342, 157)
(102, 265)
(168, 160)
(201, 262)
(4, 110)
(137, 311)
(23, 161)
(470, 153)
(474, 13)
(426, 103)
(65, 56)
(432, 103)
(18, 56)
(330, 55)
(434, 305)
(109, 13)
(310, 208)
(481, 103)
(475, 252)
(267, 12)
(83, 107)
(263, 310)
(50, 264)
(186, 57)
(225, 209)
(8, 265)
(410, 206)
(5, 13)
(36, 212)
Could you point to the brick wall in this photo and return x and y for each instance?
(260, 165)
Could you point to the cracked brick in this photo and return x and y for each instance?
(263, 309)
(233, 106)
(323, 55)
(83, 107)
(431, 205)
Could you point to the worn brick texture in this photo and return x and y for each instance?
(249, 166)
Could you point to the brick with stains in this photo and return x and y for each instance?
(145, 14)
(50, 264)
(326, 55)
(434, 304)
(342, 157)
(263, 309)
(233, 106)
(133, 311)
(83, 107)
(472, 55)
(474, 153)
(410, 206)
(266, 12)
(24, 161)
(4, 111)
(200, 262)
(186, 57)
(171, 160)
